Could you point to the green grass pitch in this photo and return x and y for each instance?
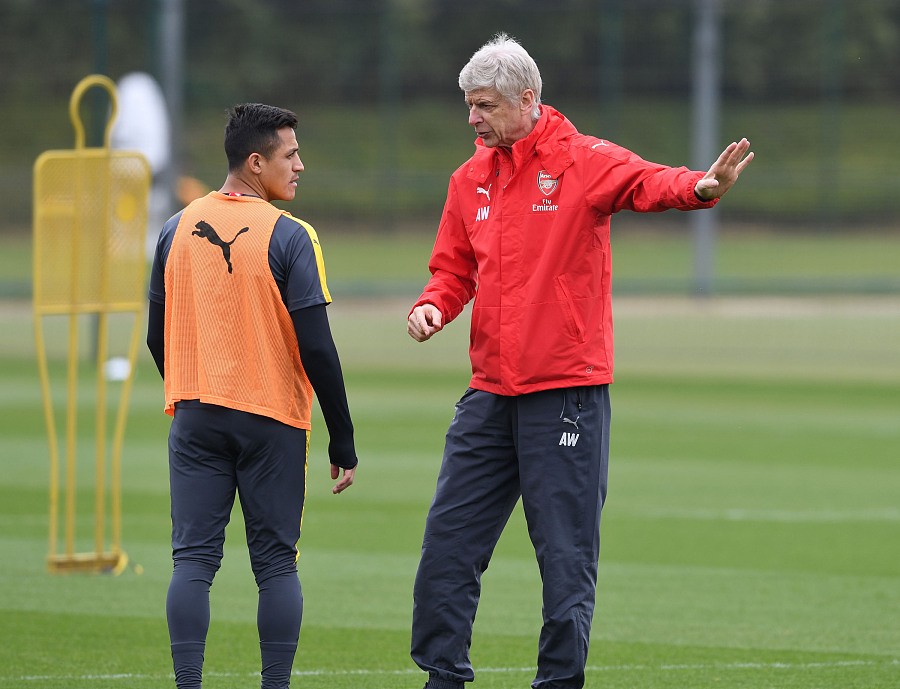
(750, 539)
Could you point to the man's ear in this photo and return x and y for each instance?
(254, 163)
(526, 100)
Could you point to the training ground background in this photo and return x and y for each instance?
(749, 539)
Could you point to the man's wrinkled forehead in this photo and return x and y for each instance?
(485, 96)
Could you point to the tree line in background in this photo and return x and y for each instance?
(349, 51)
(812, 82)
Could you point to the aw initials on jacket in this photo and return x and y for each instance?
(568, 439)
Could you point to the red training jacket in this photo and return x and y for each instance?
(526, 232)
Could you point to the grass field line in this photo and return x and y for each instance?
(749, 306)
(632, 667)
(887, 514)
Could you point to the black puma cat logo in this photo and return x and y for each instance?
(207, 231)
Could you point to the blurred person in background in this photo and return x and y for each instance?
(525, 232)
(239, 331)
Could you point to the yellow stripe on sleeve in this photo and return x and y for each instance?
(320, 259)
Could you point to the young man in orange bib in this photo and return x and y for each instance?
(239, 331)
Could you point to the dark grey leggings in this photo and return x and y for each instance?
(216, 453)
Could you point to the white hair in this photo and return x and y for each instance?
(503, 64)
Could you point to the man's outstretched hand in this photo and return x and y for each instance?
(725, 171)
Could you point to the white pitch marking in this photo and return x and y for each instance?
(737, 514)
(495, 670)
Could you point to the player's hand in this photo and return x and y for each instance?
(346, 478)
(725, 171)
(424, 321)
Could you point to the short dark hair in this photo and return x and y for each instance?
(253, 128)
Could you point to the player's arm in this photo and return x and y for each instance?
(156, 330)
(319, 356)
(156, 311)
(453, 275)
(298, 271)
(617, 179)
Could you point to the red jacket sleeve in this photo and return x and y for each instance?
(622, 180)
(453, 265)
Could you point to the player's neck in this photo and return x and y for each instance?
(235, 185)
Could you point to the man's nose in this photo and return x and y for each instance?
(474, 116)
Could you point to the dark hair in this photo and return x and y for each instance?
(253, 128)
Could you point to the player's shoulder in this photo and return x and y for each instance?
(590, 147)
(295, 224)
(291, 222)
(292, 229)
(476, 168)
(167, 234)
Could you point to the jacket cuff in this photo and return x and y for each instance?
(695, 200)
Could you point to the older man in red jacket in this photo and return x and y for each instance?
(525, 231)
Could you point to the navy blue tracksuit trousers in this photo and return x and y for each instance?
(551, 448)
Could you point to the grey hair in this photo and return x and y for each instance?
(503, 64)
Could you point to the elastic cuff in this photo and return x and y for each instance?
(435, 682)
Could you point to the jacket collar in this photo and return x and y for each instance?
(549, 138)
